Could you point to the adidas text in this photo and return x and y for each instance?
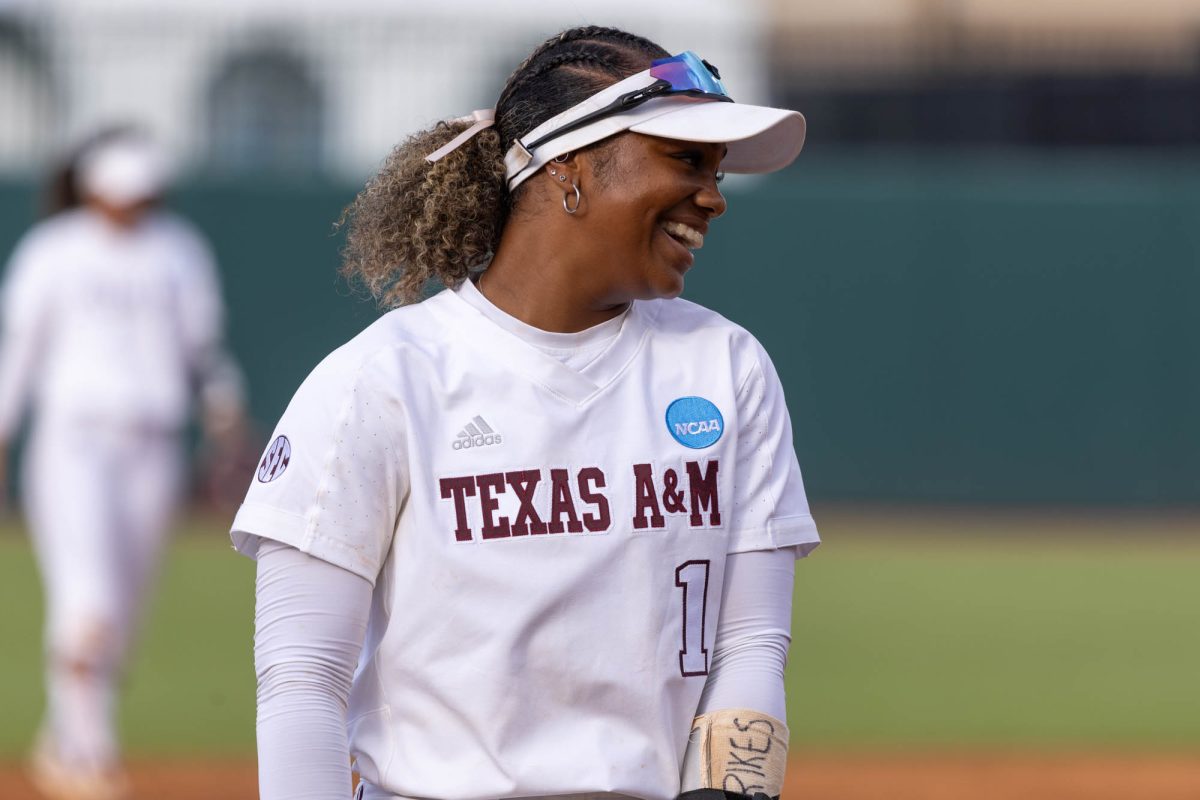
(477, 433)
(476, 441)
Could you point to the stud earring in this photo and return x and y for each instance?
(561, 177)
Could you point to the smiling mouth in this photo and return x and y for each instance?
(686, 235)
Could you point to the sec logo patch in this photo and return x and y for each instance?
(695, 422)
(276, 460)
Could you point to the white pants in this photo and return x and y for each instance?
(99, 501)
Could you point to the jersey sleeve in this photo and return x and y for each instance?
(770, 508)
(25, 313)
(332, 480)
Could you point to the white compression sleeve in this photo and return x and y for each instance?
(753, 634)
(310, 621)
(752, 639)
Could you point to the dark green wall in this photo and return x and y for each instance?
(999, 330)
(949, 328)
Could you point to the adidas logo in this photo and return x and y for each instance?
(477, 434)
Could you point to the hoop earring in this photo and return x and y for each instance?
(562, 159)
(578, 199)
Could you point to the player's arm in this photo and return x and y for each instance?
(25, 312)
(310, 620)
(739, 737)
(221, 386)
(319, 518)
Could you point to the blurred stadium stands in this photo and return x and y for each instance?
(987, 72)
(325, 88)
(295, 89)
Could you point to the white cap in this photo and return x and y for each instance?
(760, 139)
(124, 171)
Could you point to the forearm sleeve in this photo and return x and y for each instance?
(752, 640)
(753, 634)
(310, 621)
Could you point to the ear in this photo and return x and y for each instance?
(564, 170)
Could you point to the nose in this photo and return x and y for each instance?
(710, 198)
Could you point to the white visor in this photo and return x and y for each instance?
(126, 171)
(760, 139)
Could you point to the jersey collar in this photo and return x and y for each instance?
(576, 387)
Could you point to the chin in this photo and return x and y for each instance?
(668, 286)
(675, 290)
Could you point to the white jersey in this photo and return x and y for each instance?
(547, 544)
(108, 325)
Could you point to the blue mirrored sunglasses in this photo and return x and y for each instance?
(686, 74)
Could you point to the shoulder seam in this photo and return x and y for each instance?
(755, 364)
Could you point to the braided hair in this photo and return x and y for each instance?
(417, 224)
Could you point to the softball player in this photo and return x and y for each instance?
(534, 536)
(111, 312)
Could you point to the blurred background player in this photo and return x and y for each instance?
(112, 320)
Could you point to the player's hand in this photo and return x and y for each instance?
(227, 461)
(226, 429)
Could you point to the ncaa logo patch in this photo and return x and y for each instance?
(276, 460)
(694, 422)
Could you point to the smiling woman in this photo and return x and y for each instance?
(553, 511)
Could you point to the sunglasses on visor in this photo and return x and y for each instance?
(684, 74)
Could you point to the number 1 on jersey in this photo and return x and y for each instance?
(692, 578)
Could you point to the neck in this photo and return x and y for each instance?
(117, 219)
(544, 285)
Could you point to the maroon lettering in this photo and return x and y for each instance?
(459, 489)
(562, 503)
(646, 499)
(524, 484)
(704, 493)
(492, 482)
(601, 519)
(672, 495)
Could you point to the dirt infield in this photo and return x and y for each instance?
(840, 777)
(987, 777)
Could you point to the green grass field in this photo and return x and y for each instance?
(191, 690)
(1012, 632)
(911, 631)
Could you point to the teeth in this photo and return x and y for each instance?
(691, 238)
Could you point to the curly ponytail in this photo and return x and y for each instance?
(416, 224)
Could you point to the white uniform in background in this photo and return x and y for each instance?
(545, 519)
(106, 332)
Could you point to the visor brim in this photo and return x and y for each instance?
(760, 138)
(124, 172)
